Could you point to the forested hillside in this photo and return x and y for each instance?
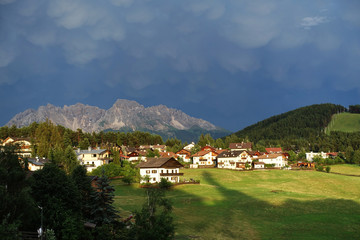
(300, 123)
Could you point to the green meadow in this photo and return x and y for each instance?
(346, 169)
(344, 122)
(268, 204)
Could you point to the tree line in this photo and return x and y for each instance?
(67, 205)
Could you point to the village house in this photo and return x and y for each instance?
(93, 158)
(234, 160)
(258, 165)
(243, 146)
(189, 146)
(154, 169)
(184, 154)
(276, 159)
(37, 163)
(137, 155)
(310, 156)
(206, 157)
(24, 146)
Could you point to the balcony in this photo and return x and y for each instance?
(171, 174)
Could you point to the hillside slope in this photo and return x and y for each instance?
(344, 122)
(299, 123)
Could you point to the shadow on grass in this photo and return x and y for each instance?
(231, 214)
(239, 216)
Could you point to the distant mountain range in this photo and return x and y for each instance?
(124, 116)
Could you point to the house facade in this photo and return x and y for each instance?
(205, 158)
(310, 156)
(278, 160)
(93, 158)
(37, 163)
(184, 154)
(24, 146)
(154, 169)
(234, 160)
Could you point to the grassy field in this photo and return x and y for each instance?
(344, 122)
(346, 169)
(273, 204)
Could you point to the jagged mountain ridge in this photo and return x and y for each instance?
(123, 114)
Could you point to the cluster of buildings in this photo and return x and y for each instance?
(239, 156)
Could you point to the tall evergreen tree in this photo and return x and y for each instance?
(83, 184)
(102, 210)
(70, 159)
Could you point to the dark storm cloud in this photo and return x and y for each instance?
(200, 56)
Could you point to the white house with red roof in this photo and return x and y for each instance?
(205, 158)
(277, 159)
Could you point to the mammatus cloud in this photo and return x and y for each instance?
(133, 42)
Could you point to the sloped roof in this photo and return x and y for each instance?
(273, 150)
(160, 162)
(92, 151)
(202, 153)
(242, 145)
(38, 161)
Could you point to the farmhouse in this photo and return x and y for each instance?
(310, 156)
(37, 163)
(276, 159)
(154, 169)
(184, 155)
(93, 158)
(24, 146)
(234, 160)
(205, 158)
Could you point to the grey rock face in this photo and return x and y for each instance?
(123, 113)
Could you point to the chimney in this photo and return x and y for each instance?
(98, 148)
(89, 148)
(78, 150)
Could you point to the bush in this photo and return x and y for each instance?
(319, 168)
(328, 168)
(164, 184)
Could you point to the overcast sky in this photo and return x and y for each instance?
(232, 62)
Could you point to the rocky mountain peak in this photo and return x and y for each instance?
(123, 114)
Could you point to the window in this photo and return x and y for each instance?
(94, 155)
(147, 171)
(154, 179)
(153, 171)
(162, 171)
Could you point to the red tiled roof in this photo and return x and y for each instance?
(273, 150)
(202, 153)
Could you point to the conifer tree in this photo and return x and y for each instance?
(70, 159)
(102, 210)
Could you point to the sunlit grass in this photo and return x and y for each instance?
(259, 205)
(352, 169)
